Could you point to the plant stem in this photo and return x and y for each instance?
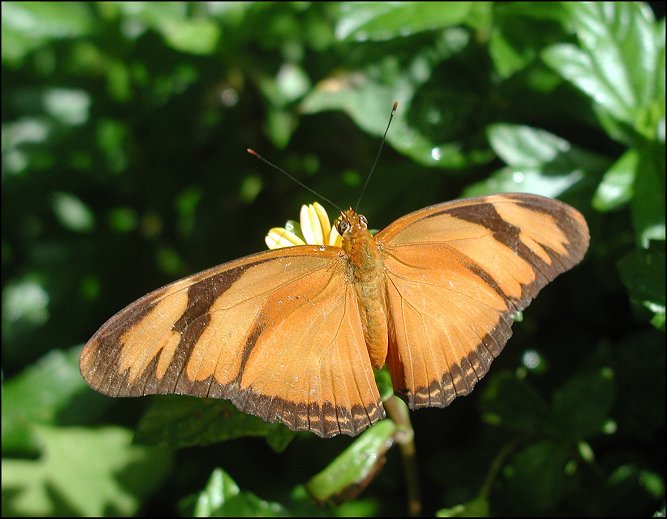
(404, 436)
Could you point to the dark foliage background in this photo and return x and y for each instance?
(124, 129)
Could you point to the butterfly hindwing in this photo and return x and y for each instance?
(278, 333)
(455, 273)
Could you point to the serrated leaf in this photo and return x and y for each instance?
(355, 467)
(616, 61)
(181, 421)
(82, 472)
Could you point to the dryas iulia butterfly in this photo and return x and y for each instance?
(293, 334)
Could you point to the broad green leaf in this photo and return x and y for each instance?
(50, 391)
(181, 421)
(583, 405)
(648, 202)
(384, 20)
(615, 190)
(512, 403)
(181, 31)
(643, 274)
(616, 61)
(536, 477)
(354, 469)
(82, 472)
(28, 25)
(539, 162)
(222, 497)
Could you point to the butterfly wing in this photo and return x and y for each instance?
(278, 333)
(455, 274)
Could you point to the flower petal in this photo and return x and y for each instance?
(310, 225)
(279, 237)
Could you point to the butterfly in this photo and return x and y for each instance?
(294, 334)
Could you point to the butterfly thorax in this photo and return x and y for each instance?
(366, 270)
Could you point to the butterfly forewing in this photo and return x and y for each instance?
(277, 333)
(455, 273)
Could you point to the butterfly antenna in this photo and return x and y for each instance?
(257, 155)
(384, 137)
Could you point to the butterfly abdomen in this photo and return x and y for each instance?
(367, 276)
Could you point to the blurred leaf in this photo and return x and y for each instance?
(521, 31)
(477, 507)
(367, 96)
(72, 213)
(50, 391)
(181, 421)
(615, 190)
(583, 405)
(512, 403)
(222, 497)
(536, 477)
(643, 274)
(82, 472)
(384, 20)
(28, 25)
(355, 468)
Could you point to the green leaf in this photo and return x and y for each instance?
(82, 472)
(643, 274)
(477, 507)
(648, 202)
(368, 94)
(512, 403)
(536, 477)
(50, 391)
(385, 20)
(28, 25)
(222, 497)
(583, 405)
(354, 469)
(521, 31)
(615, 190)
(539, 162)
(616, 61)
(181, 421)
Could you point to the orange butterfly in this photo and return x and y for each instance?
(293, 334)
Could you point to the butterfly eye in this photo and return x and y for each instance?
(342, 226)
(363, 220)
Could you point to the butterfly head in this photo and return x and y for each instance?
(350, 221)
